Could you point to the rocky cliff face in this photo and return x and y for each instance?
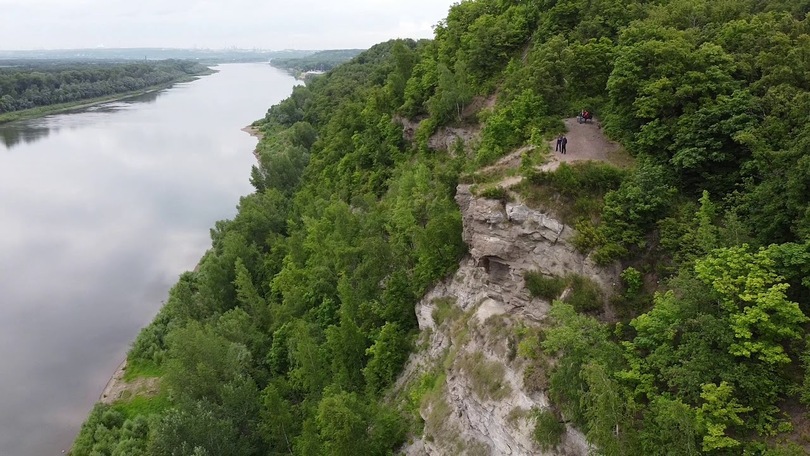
(480, 398)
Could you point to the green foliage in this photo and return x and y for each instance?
(753, 294)
(608, 411)
(577, 340)
(632, 210)
(193, 432)
(29, 86)
(290, 333)
(202, 362)
(496, 193)
(718, 412)
(670, 427)
(386, 357)
(548, 288)
(584, 294)
(548, 429)
(510, 125)
(108, 432)
(632, 279)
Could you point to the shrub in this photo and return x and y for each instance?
(587, 237)
(548, 430)
(609, 252)
(548, 288)
(496, 193)
(581, 179)
(632, 280)
(585, 294)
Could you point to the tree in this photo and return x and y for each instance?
(386, 357)
(719, 411)
(342, 424)
(748, 288)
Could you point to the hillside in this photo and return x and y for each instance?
(418, 272)
(320, 61)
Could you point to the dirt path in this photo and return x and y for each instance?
(586, 142)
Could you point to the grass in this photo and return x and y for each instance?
(141, 369)
(496, 193)
(535, 378)
(517, 414)
(439, 413)
(476, 449)
(573, 191)
(487, 377)
(488, 176)
(143, 405)
(445, 310)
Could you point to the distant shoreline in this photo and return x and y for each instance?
(42, 111)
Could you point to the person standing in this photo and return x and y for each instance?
(563, 143)
(559, 143)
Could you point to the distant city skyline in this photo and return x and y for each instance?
(206, 24)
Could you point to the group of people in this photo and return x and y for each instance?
(584, 116)
(562, 141)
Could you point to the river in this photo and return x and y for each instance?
(100, 211)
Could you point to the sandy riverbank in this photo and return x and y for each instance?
(256, 133)
(113, 384)
(253, 131)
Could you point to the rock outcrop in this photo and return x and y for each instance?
(480, 402)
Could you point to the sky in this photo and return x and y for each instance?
(214, 24)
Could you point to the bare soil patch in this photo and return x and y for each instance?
(119, 389)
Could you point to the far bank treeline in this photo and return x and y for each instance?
(317, 61)
(26, 84)
(288, 337)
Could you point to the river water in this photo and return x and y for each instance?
(100, 211)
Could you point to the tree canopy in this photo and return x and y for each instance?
(299, 318)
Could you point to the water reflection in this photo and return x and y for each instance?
(12, 135)
(101, 211)
(15, 133)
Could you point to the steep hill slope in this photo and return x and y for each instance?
(655, 309)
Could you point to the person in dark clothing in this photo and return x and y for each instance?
(559, 143)
(563, 143)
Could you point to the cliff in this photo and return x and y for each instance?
(486, 397)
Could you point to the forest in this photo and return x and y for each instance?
(289, 335)
(26, 84)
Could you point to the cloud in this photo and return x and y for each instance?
(306, 24)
